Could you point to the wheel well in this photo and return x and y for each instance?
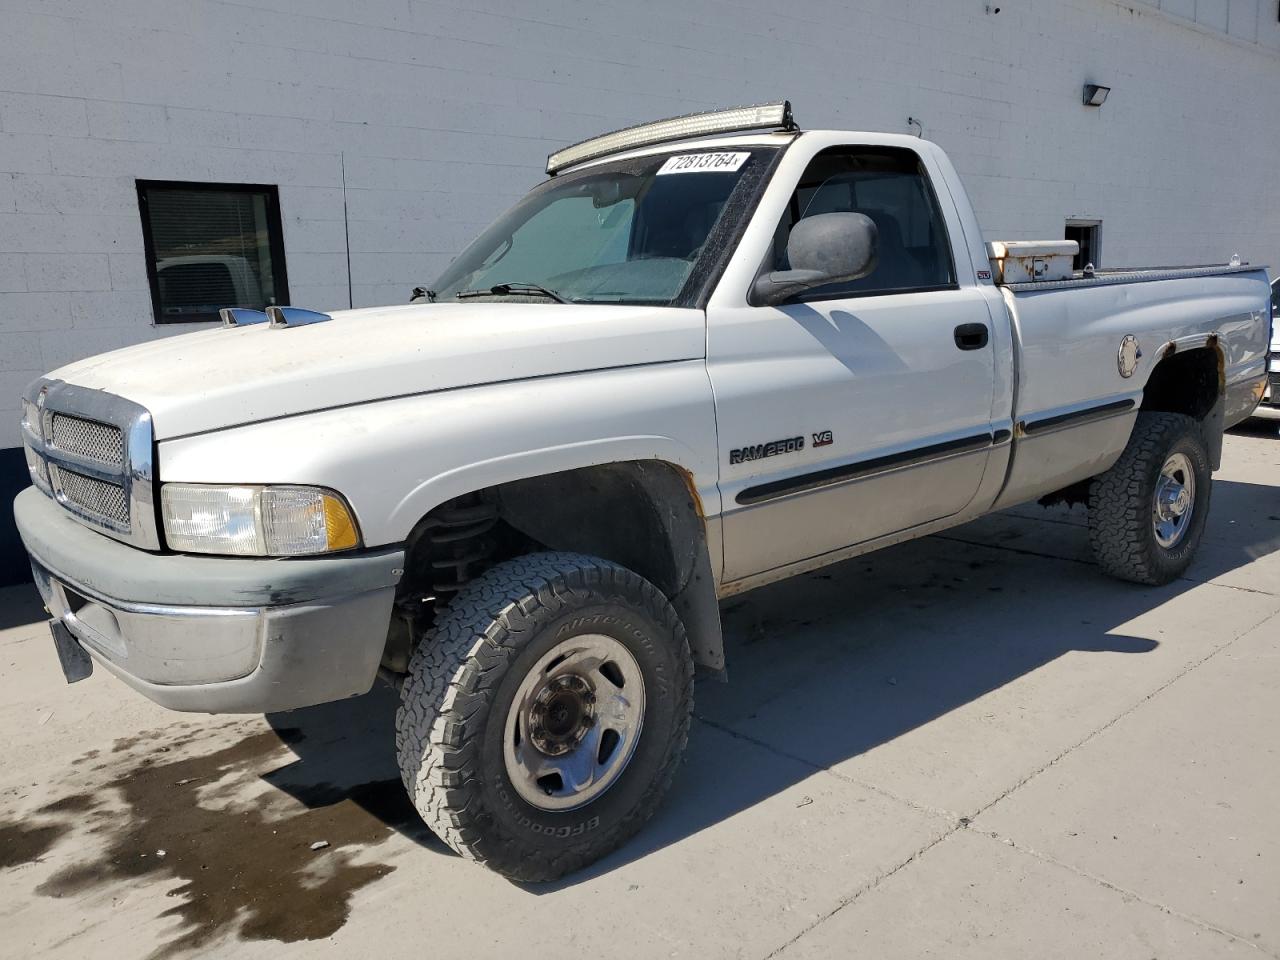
(1188, 381)
(644, 515)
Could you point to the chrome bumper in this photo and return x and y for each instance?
(211, 634)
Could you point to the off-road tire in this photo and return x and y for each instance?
(463, 678)
(1121, 500)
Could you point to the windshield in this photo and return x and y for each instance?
(624, 232)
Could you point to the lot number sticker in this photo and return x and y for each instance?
(703, 162)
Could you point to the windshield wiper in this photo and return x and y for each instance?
(512, 289)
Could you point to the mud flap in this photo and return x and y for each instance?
(76, 663)
(1213, 427)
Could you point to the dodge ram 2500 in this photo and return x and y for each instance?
(705, 354)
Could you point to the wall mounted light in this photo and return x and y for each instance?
(1095, 95)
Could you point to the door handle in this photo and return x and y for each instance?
(971, 336)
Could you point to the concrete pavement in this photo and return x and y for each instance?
(969, 746)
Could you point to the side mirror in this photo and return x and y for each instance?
(827, 248)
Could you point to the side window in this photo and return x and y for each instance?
(890, 186)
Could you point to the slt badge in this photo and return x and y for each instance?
(1128, 355)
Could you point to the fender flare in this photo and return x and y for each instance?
(677, 507)
(432, 491)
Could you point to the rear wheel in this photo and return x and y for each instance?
(1147, 513)
(542, 722)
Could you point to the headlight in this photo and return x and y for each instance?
(252, 521)
(31, 418)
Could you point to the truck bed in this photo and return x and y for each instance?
(1073, 405)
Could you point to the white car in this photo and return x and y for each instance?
(705, 354)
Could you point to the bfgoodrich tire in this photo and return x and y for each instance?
(542, 723)
(1147, 513)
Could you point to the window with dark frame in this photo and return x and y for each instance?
(211, 245)
(1087, 233)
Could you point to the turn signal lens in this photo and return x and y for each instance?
(339, 525)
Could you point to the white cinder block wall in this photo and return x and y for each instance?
(439, 114)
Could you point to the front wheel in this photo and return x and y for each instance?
(542, 722)
(1147, 513)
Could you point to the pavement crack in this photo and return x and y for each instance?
(1229, 586)
(1194, 665)
(1087, 561)
(966, 822)
(1078, 524)
(819, 768)
(1019, 550)
(1124, 891)
(864, 889)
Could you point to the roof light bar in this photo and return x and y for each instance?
(760, 116)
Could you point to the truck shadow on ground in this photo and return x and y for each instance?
(22, 606)
(1265, 424)
(828, 666)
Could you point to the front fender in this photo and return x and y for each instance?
(395, 460)
(526, 464)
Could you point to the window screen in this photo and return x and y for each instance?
(210, 246)
(891, 187)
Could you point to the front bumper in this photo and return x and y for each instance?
(214, 634)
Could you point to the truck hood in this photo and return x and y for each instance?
(230, 376)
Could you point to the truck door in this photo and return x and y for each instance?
(862, 408)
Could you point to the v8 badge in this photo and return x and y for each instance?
(1128, 355)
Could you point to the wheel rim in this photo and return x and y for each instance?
(574, 723)
(1175, 500)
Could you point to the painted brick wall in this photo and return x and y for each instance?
(442, 114)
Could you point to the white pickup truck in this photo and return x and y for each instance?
(705, 354)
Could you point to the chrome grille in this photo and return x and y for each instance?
(92, 451)
(104, 501)
(87, 438)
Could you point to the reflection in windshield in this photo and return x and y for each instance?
(616, 233)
